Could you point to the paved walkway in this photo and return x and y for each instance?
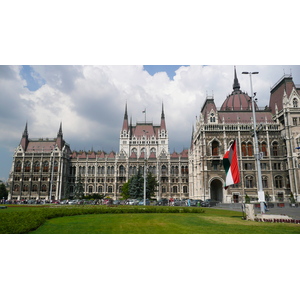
(293, 212)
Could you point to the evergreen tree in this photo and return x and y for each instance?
(134, 188)
(79, 188)
(3, 191)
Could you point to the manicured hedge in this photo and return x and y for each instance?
(23, 222)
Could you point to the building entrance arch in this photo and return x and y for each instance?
(216, 190)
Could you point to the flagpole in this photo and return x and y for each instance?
(261, 195)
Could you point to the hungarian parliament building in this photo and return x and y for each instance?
(48, 169)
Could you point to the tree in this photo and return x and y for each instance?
(125, 190)
(134, 188)
(151, 186)
(3, 191)
(79, 188)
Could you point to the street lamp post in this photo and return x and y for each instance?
(145, 167)
(260, 192)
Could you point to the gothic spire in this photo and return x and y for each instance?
(236, 85)
(162, 122)
(59, 140)
(125, 122)
(25, 140)
(60, 130)
(25, 133)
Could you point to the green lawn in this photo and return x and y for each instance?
(132, 220)
(211, 222)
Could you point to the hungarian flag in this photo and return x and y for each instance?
(231, 166)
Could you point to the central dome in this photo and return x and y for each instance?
(237, 100)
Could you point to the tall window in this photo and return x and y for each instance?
(122, 171)
(295, 102)
(250, 149)
(264, 149)
(44, 188)
(164, 170)
(244, 150)
(55, 166)
(278, 182)
(185, 189)
(275, 149)
(16, 188)
(45, 166)
(265, 182)
(175, 189)
(249, 182)
(36, 166)
(34, 188)
(18, 166)
(27, 166)
(215, 148)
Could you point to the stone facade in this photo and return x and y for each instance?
(278, 129)
(49, 169)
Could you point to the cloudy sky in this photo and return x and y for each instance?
(90, 100)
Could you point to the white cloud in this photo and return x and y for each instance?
(90, 100)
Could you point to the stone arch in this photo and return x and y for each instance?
(216, 185)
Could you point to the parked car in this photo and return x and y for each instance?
(72, 202)
(163, 202)
(116, 202)
(196, 202)
(141, 202)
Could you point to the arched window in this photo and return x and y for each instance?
(295, 102)
(278, 182)
(55, 166)
(122, 171)
(36, 166)
(110, 189)
(184, 189)
(244, 150)
(249, 182)
(16, 188)
(27, 166)
(250, 149)
(34, 188)
(18, 166)
(90, 189)
(44, 188)
(264, 149)
(45, 166)
(163, 189)
(215, 148)
(25, 188)
(100, 189)
(164, 170)
(275, 149)
(174, 189)
(265, 182)
(172, 170)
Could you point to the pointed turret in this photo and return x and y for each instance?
(24, 140)
(59, 139)
(125, 122)
(236, 84)
(162, 122)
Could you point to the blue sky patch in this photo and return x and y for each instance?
(169, 69)
(33, 79)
